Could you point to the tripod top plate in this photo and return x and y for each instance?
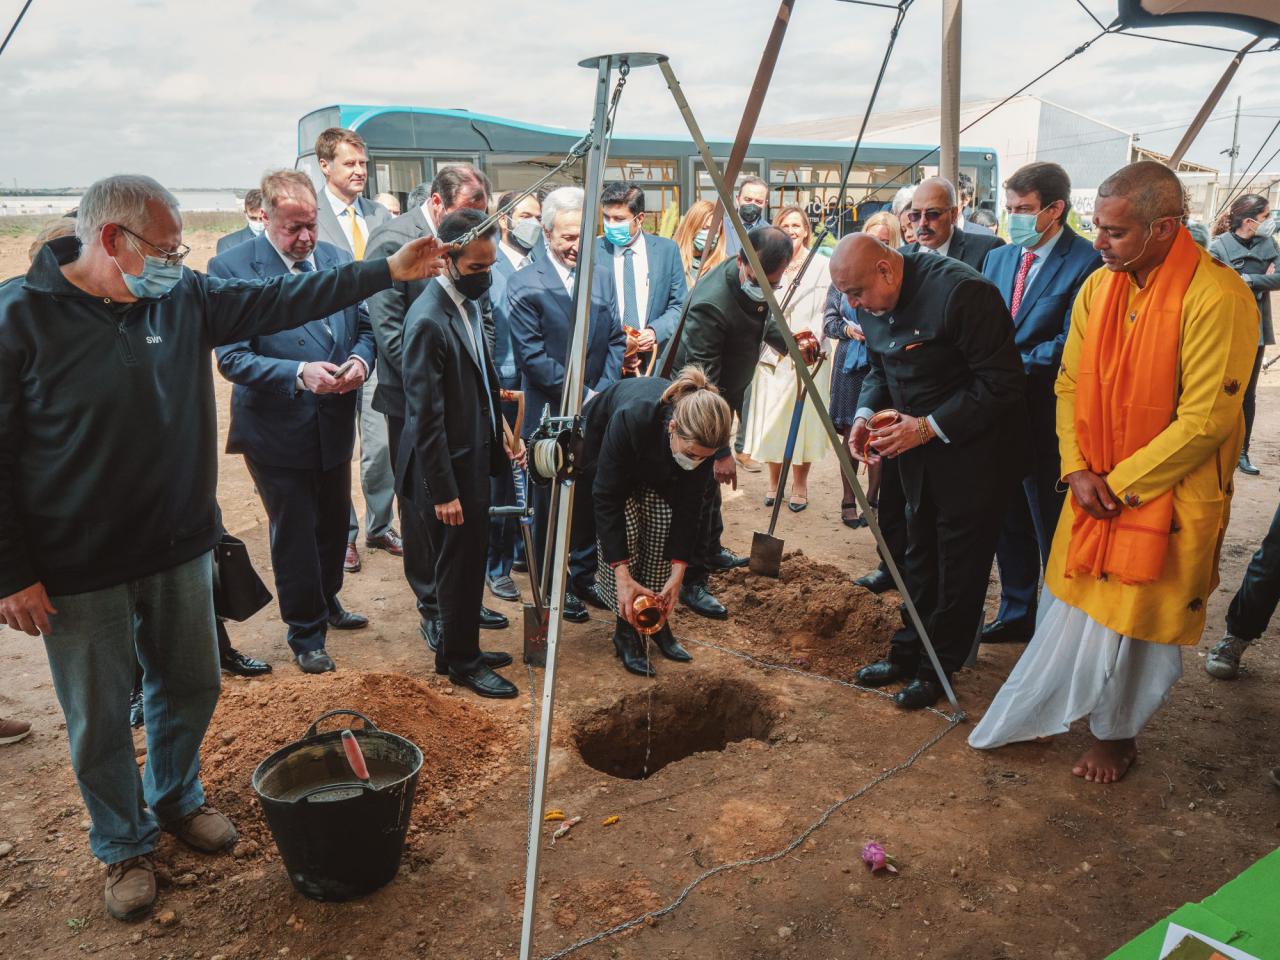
(616, 60)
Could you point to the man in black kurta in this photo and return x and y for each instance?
(942, 354)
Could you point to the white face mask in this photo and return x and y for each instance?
(686, 462)
(256, 226)
(1266, 228)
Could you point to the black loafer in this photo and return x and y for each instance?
(726, 559)
(881, 674)
(877, 581)
(485, 683)
(504, 588)
(236, 662)
(346, 620)
(493, 659)
(918, 694)
(630, 647)
(519, 566)
(430, 630)
(670, 646)
(697, 599)
(590, 596)
(1003, 631)
(492, 619)
(574, 609)
(1247, 468)
(315, 661)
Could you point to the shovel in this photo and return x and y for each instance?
(766, 549)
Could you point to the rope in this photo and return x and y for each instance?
(1235, 189)
(14, 29)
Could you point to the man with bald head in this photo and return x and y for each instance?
(942, 353)
(1150, 426)
(935, 217)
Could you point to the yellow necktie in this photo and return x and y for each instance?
(357, 238)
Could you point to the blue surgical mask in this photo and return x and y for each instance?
(700, 240)
(619, 234)
(1022, 229)
(1266, 228)
(753, 290)
(156, 280)
(257, 226)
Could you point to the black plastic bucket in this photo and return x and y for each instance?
(339, 838)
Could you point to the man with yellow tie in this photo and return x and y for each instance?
(345, 218)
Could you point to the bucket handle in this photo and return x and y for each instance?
(328, 787)
(311, 730)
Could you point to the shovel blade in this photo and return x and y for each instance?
(766, 554)
(535, 637)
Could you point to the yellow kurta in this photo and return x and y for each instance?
(1195, 456)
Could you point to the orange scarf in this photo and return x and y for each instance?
(1126, 394)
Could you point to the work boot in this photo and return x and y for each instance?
(206, 830)
(631, 650)
(1223, 660)
(11, 731)
(131, 888)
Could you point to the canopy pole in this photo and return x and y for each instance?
(949, 151)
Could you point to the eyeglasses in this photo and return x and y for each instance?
(170, 258)
(915, 216)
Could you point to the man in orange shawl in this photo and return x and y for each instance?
(1150, 428)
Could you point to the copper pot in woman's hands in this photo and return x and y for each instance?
(650, 615)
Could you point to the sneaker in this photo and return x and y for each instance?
(206, 830)
(1223, 660)
(131, 888)
(11, 731)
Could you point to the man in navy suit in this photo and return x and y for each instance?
(540, 314)
(1039, 274)
(253, 223)
(293, 412)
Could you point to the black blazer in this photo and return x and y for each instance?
(449, 447)
(626, 448)
(970, 248)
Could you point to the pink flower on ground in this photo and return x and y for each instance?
(873, 855)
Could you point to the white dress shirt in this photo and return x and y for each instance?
(1042, 254)
(940, 251)
(566, 276)
(344, 219)
(515, 256)
(640, 264)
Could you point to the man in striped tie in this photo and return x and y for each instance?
(1039, 274)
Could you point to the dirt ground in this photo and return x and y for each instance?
(1002, 855)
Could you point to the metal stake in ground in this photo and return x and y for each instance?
(571, 408)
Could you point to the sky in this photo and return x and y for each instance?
(208, 94)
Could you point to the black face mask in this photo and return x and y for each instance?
(473, 286)
(750, 213)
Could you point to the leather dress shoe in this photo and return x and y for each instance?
(430, 630)
(131, 888)
(1004, 631)
(726, 559)
(504, 588)
(590, 596)
(491, 619)
(389, 541)
(918, 694)
(575, 611)
(696, 598)
(346, 620)
(877, 581)
(670, 646)
(1246, 467)
(233, 661)
(519, 566)
(484, 682)
(493, 659)
(315, 661)
(630, 647)
(881, 673)
(351, 560)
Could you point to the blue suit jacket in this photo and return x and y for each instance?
(667, 285)
(503, 357)
(540, 318)
(1044, 316)
(271, 421)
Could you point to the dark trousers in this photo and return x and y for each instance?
(710, 529)
(892, 514)
(1026, 531)
(740, 439)
(951, 542)
(1255, 602)
(1250, 396)
(504, 532)
(308, 512)
(419, 563)
(582, 553)
(459, 577)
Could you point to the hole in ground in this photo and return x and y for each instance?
(689, 715)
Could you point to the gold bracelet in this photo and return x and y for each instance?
(922, 425)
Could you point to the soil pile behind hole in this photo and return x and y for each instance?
(688, 715)
(812, 616)
(463, 748)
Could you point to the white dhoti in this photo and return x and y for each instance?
(1075, 667)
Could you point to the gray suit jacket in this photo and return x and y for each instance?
(387, 309)
(375, 214)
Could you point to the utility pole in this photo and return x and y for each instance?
(1235, 148)
(949, 139)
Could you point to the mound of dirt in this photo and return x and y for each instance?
(464, 748)
(812, 617)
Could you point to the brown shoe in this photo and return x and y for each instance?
(389, 541)
(131, 888)
(205, 830)
(746, 463)
(351, 562)
(11, 731)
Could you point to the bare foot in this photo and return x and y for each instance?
(1106, 761)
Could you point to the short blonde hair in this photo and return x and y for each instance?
(886, 219)
(699, 413)
(277, 185)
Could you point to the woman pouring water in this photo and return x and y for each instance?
(648, 449)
